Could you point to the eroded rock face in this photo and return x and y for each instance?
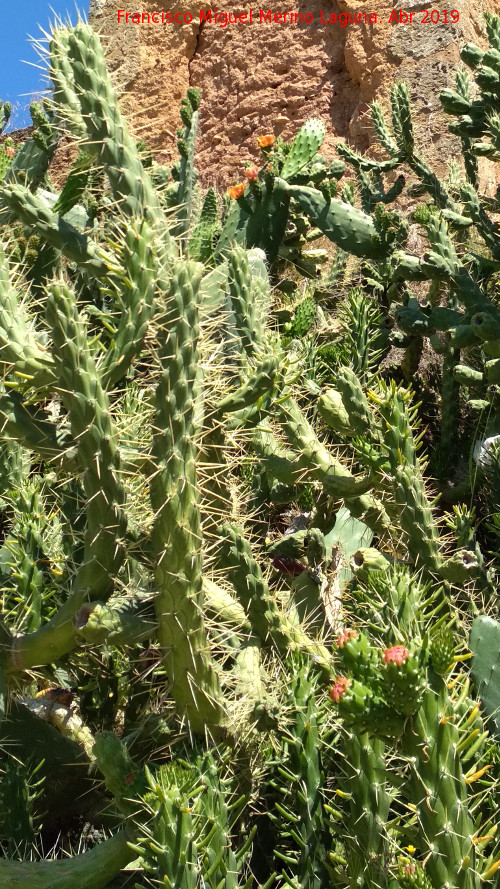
(270, 76)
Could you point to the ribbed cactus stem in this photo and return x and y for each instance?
(79, 72)
(367, 842)
(175, 497)
(242, 305)
(137, 286)
(436, 787)
(92, 429)
(416, 519)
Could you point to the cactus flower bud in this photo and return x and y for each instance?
(339, 688)
(236, 191)
(344, 637)
(265, 141)
(251, 173)
(398, 654)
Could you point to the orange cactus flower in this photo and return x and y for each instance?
(398, 654)
(339, 688)
(265, 141)
(10, 150)
(236, 191)
(251, 173)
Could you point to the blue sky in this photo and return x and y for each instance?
(18, 19)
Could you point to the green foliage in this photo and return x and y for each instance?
(194, 506)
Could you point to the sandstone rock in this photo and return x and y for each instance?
(268, 76)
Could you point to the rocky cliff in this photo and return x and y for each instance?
(264, 76)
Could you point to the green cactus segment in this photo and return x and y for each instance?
(411, 875)
(486, 327)
(305, 146)
(27, 557)
(462, 567)
(191, 833)
(33, 157)
(243, 305)
(225, 608)
(349, 228)
(259, 219)
(366, 560)
(175, 497)
(252, 590)
(382, 130)
(111, 625)
(371, 512)
(331, 408)
(398, 418)
(79, 71)
(97, 454)
(403, 685)
(31, 364)
(92, 428)
(123, 778)
(432, 741)
(416, 518)
(442, 650)
(355, 401)
(302, 822)
(484, 642)
(200, 246)
(392, 597)
(313, 456)
(437, 790)
(401, 448)
(74, 188)
(248, 675)
(267, 224)
(19, 203)
(5, 112)
(365, 835)
(19, 791)
(368, 164)
(64, 91)
(260, 385)
(91, 870)
(187, 172)
(137, 297)
(468, 376)
(268, 622)
(443, 264)
(32, 428)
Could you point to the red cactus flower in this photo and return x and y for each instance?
(339, 688)
(251, 173)
(344, 637)
(10, 150)
(236, 191)
(398, 654)
(266, 141)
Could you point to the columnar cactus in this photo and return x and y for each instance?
(158, 441)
